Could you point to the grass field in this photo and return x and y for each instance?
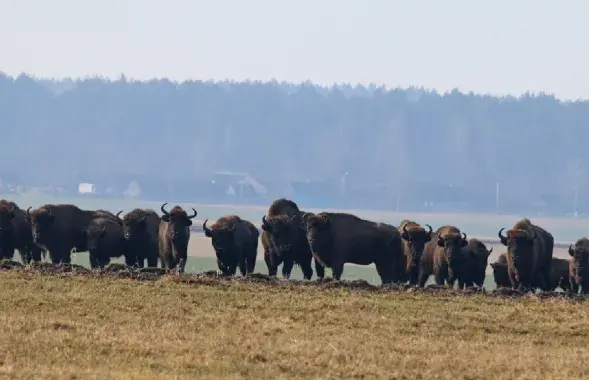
(68, 326)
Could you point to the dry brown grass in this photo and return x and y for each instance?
(97, 327)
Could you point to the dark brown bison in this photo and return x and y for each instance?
(471, 265)
(529, 255)
(235, 242)
(500, 274)
(59, 228)
(140, 228)
(414, 239)
(286, 240)
(173, 237)
(339, 238)
(15, 233)
(559, 276)
(439, 254)
(105, 241)
(579, 266)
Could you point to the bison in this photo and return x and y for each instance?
(414, 239)
(61, 227)
(339, 238)
(579, 266)
(15, 233)
(471, 265)
(285, 240)
(140, 228)
(500, 274)
(559, 275)
(235, 242)
(173, 237)
(529, 255)
(105, 241)
(439, 253)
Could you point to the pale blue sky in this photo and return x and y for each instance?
(499, 46)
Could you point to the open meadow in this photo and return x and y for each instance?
(69, 325)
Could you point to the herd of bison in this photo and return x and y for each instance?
(406, 254)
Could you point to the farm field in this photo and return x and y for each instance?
(66, 326)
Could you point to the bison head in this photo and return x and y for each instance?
(416, 239)
(285, 231)
(452, 244)
(179, 222)
(41, 222)
(520, 245)
(134, 225)
(94, 235)
(222, 236)
(580, 259)
(6, 216)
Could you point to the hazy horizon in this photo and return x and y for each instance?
(496, 48)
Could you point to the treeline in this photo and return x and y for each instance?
(417, 146)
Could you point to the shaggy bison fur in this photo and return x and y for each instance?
(559, 276)
(579, 266)
(15, 233)
(140, 228)
(59, 228)
(439, 254)
(339, 238)
(105, 241)
(235, 242)
(529, 255)
(286, 240)
(414, 239)
(173, 237)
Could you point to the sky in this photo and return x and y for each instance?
(497, 47)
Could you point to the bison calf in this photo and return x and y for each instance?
(235, 242)
(173, 237)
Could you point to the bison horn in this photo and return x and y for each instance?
(29, 210)
(103, 230)
(164, 210)
(193, 216)
(430, 229)
(264, 221)
(119, 213)
(205, 228)
(500, 235)
(489, 251)
(142, 219)
(571, 250)
(405, 228)
(463, 236)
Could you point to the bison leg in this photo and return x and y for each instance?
(242, 266)
(306, 269)
(319, 269)
(36, 253)
(94, 261)
(25, 255)
(287, 268)
(441, 273)
(337, 269)
(272, 265)
(573, 286)
(386, 271)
